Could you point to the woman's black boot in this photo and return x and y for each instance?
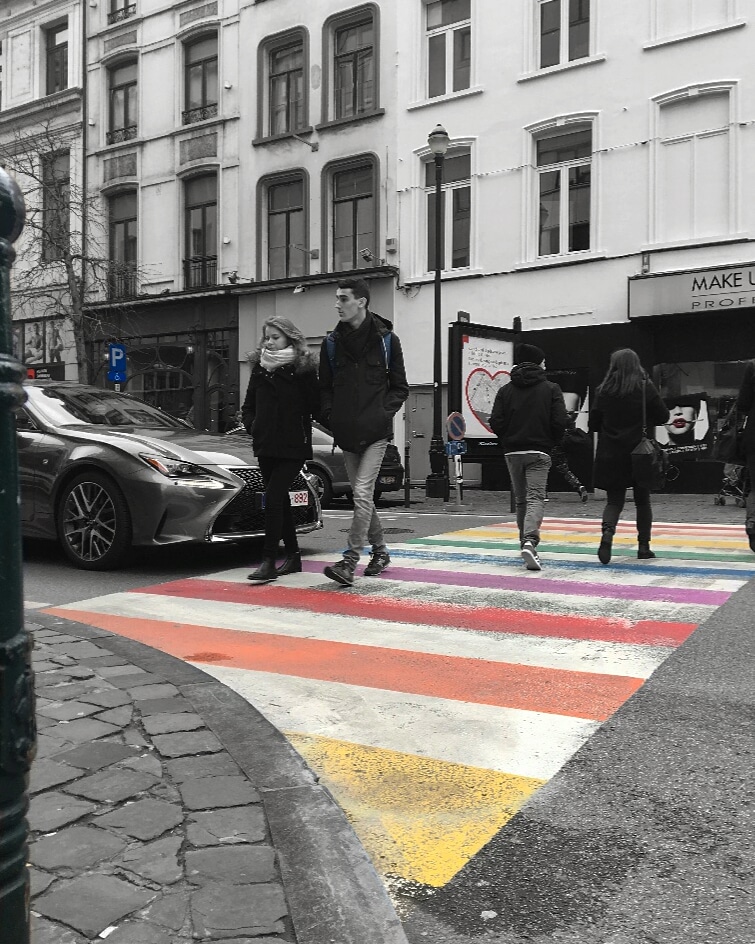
(265, 572)
(644, 552)
(291, 565)
(604, 548)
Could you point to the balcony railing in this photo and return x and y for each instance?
(123, 14)
(122, 284)
(201, 271)
(117, 135)
(200, 113)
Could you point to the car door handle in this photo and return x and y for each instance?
(417, 435)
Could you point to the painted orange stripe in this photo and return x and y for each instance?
(532, 688)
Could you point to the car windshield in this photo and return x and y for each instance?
(72, 406)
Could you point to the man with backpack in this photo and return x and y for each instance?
(363, 384)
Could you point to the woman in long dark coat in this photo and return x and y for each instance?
(746, 404)
(282, 397)
(616, 417)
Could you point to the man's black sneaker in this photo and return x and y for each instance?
(378, 562)
(342, 572)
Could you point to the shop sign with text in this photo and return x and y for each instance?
(703, 290)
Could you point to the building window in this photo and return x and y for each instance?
(449, 46)
(285, 233)
(56, 205)
(122, 103)
(201, 220)
(201, 91)
(563, 188)
(353, 216)
(56, 38)
(693, 181)
(455, 226)
(563, 31)
(354, 69)
(286, 88)
(679, 17)
(123, 246)
(121, 10)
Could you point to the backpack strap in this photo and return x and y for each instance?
(330, 347)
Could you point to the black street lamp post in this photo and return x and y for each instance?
(17, 725)
(437, 484)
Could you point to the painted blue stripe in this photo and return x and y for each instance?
(689, 568)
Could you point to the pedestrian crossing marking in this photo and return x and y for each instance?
(420, 819)
(453, 667)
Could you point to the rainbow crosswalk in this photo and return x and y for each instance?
(435, 699)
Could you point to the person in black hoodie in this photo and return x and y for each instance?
(282, 397)
(362, 384)
(529, 418)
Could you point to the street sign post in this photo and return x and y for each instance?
(118, 369)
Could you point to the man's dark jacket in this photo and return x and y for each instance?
(360, 394)
(529, 414)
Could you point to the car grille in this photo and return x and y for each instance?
(244, 515)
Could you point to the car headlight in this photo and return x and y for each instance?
(183, 473)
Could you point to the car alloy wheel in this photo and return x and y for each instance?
(94, 524)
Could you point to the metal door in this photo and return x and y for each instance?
(419, 430)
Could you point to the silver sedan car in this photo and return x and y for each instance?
(103, 472)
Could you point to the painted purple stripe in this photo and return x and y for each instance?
(562, 587)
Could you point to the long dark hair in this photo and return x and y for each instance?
(303, 360)
(624, 375)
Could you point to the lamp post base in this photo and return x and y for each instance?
(437, 486)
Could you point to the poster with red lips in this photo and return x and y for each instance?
(485, 367)
(687, 433)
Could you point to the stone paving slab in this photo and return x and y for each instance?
(144, 829)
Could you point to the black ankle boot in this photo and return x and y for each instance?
(291, 565)
(265, 572)
(604, 548)
(644, 552)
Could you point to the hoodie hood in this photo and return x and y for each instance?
(527, 375)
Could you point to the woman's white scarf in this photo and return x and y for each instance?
(272, 359)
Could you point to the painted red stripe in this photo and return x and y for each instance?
(480, 619)
(530, 688)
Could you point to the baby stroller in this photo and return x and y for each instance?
(736, 485)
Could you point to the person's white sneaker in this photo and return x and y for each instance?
(530, 557)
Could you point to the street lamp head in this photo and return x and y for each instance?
(438, 140)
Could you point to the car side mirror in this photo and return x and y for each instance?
(23, 421)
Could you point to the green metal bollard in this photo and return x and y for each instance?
(17, 722)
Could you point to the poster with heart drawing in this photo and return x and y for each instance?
(486, 365)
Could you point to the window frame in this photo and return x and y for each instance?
(56, 214)
(126, 131)
(456, 149)
(267, 47)
(334, 24)
(540, 131)
(328, 216)
(659, 37)
(264, 186)
(731, 89)
(120, 10)
(448, 31)
(54, 53)
(122, 280)
(206, 109)
(563, 57)
(208, 262)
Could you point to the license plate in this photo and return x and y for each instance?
(387, 480)
(299, 498)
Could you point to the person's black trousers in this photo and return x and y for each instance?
(278, 474)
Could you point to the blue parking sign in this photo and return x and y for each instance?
(117, 363)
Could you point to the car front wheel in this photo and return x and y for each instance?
(321, 484)
(93, 522)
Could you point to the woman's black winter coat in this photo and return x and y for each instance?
(278, 410)
(618, 422)
(746, 405)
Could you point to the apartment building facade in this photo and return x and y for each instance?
(597, 184)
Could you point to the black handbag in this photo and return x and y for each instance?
(650, 464)
(728, 443)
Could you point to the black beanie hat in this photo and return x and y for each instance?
(529, 354)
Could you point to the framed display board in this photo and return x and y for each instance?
(479, 364)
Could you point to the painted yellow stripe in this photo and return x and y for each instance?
(419, 819)
(685, 540)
